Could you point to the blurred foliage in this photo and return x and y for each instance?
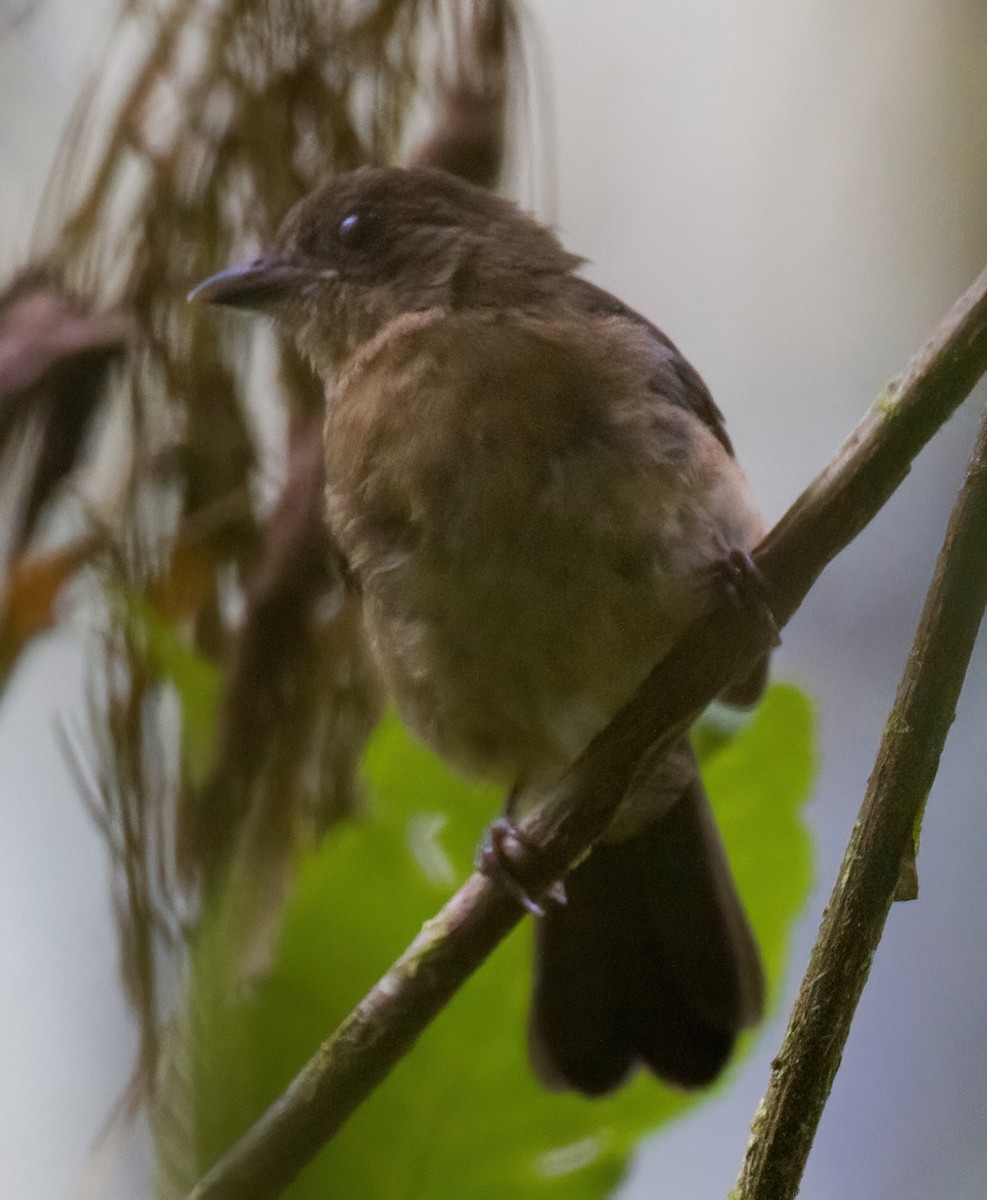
(176, 501)
(462, 1116)
(55, 356)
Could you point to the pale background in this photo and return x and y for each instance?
(795, 193)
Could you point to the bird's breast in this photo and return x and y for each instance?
(523, 558)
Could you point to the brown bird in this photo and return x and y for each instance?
(533, 492)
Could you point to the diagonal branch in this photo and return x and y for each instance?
(803, 1072)
(723, 645)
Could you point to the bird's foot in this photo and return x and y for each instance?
(498, 857)
(746, 588)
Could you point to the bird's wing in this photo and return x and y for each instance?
(675, 380)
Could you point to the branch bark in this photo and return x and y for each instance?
(723, 645)
(907, 761)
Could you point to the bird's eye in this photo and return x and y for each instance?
(352, 230)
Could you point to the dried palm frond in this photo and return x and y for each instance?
(232, 693)
(55, 359)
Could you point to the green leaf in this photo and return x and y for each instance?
(462, 1117)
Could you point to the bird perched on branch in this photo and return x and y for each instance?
(532, 492)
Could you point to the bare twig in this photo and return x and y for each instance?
(835, 507)
(923, 711)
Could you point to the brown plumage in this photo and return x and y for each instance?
(532, 491)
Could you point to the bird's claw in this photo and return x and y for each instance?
(497, 857)
(745, 587)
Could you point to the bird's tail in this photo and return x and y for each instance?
(651, 960)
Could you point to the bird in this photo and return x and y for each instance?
(532, 493)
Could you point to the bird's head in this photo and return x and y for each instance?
(371, 244)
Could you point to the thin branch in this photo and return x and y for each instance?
(725, 644)
(923, 711)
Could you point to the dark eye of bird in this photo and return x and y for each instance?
(354, 229)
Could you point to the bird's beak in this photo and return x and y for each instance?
(255, 285)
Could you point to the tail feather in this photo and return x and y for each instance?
(651, 960)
